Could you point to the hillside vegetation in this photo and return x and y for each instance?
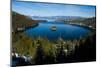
(22, 22)
(87, 21)
(43, 51)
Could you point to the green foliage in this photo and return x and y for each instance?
(21, 21)
(46, 51)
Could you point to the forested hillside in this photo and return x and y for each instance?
(88, 22)
(20, 22)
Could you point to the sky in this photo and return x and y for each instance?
(51, 9)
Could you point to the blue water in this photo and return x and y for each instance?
(65, 31)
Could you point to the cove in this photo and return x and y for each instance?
(65, 31)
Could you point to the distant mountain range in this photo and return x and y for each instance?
(57, 18)
(22, 21)
(91, 21)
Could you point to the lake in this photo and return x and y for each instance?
(65, 31)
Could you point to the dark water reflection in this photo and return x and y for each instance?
(65, 31)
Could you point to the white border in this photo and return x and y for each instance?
(87, 2)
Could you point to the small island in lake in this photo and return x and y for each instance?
(53, 28)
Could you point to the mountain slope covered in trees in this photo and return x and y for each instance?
(87, 21)
(21, 21)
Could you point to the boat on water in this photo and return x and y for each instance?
(53, 28)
